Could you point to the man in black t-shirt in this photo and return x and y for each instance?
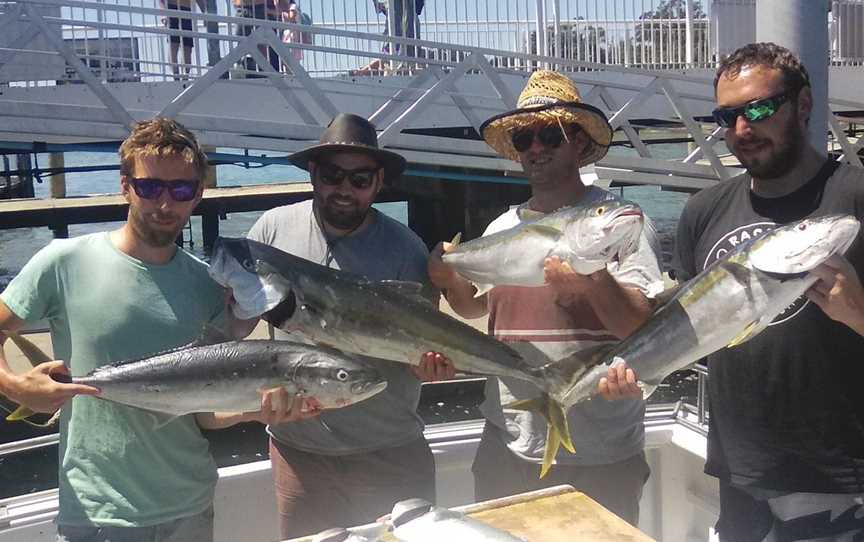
(786, 432)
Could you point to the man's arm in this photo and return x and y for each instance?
(621, 309)
(458, 291)
(35, 389)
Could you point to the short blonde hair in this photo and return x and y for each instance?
(162, 137)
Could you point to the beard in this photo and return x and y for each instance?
(341, 217)
(150, 234)
(781, 158)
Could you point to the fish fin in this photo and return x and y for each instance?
(740, 272)
(20, 413)
(752, 329)
(647, 389)
(33, 353)
(210, 334)
(456, 240)
(482, 289)
(544, 231)
(557, 430)
(553, 443)
(667, 295)
(161, 420)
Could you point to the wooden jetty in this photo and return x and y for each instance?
(436, 209)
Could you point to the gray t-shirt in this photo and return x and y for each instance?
(385, 250)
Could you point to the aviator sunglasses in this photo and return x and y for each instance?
(333, 175)
(179, 190)
(551, 135)
(755, 111)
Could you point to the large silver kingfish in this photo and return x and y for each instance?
(386, 320)
(587, 236)
(728, 303)
(230, 376)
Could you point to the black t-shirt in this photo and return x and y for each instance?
(786, 408)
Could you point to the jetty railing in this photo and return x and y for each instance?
(97, 60)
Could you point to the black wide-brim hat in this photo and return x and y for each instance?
(351, 133)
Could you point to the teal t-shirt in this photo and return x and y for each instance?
(119, 465)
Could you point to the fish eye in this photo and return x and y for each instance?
(802, 227)
(600, 211)
(249, 265)
(341, 375)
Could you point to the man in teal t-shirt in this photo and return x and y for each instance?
(126, 473)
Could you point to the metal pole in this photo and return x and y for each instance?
(802, 27)
(556, 34)
(689, 32)
(541, 28)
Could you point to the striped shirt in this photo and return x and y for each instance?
(544, 327)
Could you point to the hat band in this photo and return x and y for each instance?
(541, 100)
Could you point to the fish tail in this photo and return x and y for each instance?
(456, 240)
(557, 430)
(33, 353)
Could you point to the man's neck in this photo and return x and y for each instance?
(809, 163)
(126, 241)
(549, 199)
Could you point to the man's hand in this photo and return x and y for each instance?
(619, 383)
(566, 282)
(278, 406)
(839, 293)
(42, 388)
(434, 367)
(442, 275)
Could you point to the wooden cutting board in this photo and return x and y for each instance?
(555, 514)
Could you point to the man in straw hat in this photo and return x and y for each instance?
(350, 466)
(553, 133)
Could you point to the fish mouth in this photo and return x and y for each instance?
(368, 389)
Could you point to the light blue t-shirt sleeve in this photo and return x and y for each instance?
(34, 293)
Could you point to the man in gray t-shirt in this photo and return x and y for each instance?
(350, 465)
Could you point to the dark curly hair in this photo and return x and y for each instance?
(770, 55)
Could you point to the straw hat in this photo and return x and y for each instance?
(549, 97)
(351, 133)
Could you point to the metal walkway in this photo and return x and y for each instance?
(83, 71)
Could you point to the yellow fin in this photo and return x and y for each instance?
(752, 329)
(21, 413)
(557, 431)
(553, 442)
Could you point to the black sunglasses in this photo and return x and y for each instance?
(551, 135)
(179, 190)
(333, 175)
(755, 111)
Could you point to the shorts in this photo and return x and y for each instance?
(198, 528)
(180, 23)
